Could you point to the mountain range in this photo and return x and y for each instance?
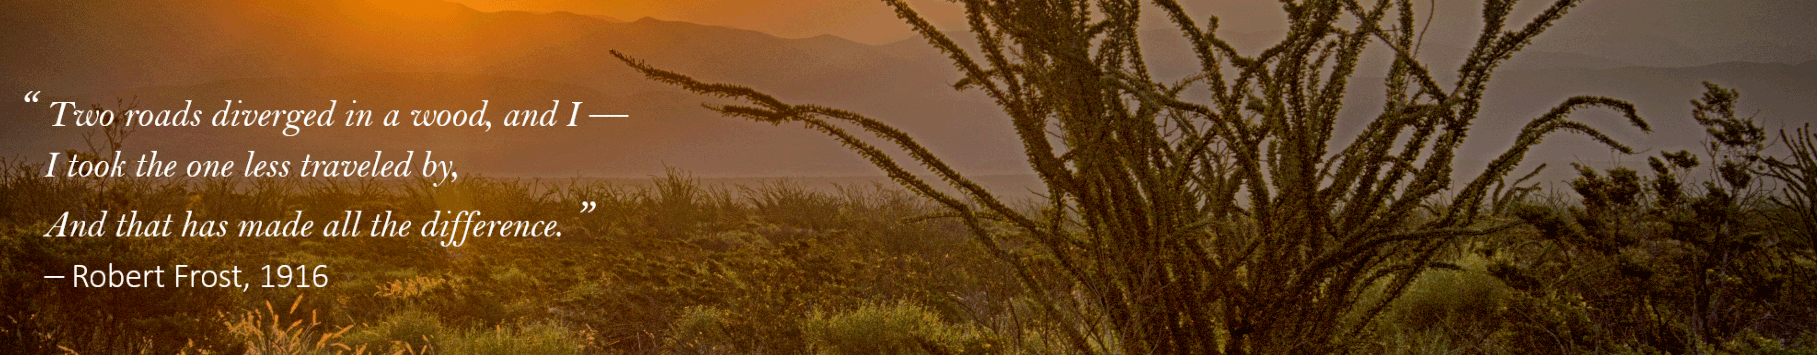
(429, 54)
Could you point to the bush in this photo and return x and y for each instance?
(1651, 262)
(279, 338)
(540, 338)
(898, 328)
(1464, 298)
(410, 328)
(701, 330)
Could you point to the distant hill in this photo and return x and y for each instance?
(607, 18)
(412, 54)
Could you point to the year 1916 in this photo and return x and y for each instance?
(299, 276)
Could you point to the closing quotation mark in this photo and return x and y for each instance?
(588, 206)
(32, 96)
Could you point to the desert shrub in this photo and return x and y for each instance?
(790, 204)
(702, 330)
(1467, 299)
(538, 338)
(1651, 262)
(265, 332)
(400, 331)
(1754, 344)
(1797, 173)
(896, 328)
(1217, 212)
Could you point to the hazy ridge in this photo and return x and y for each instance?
(422, 54)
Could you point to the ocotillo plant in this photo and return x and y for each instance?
(1798, 174)
(1231, 225)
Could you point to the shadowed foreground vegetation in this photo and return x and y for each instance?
(1220, 213)
(679, 266)
(1227, 221)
